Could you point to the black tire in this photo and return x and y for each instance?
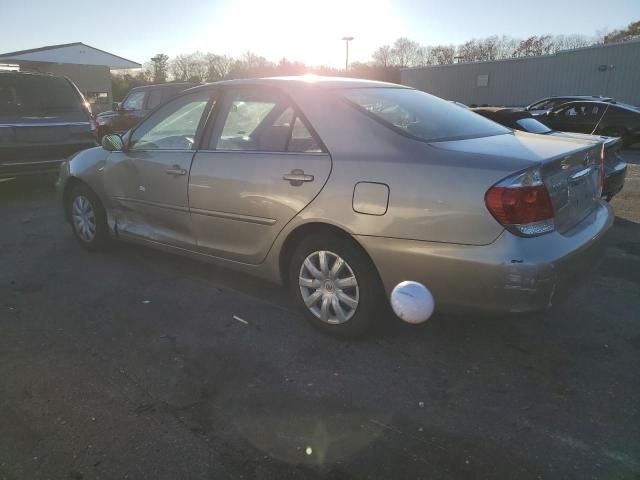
(100, 239)
(370, 292)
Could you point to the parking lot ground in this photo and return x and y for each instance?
(130, 364)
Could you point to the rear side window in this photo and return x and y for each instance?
(155, 98)
(545, 104)
(264, 122)
(37, 95)
(158, 96)
(420, 115)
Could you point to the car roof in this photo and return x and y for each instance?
(579, 97)
(624, 106)
(316, 80)
(184, 85)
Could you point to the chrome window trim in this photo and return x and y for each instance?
(263, 152)
(161, 150)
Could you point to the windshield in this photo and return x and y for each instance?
(420, 115)
(37, 94)
(532, 125)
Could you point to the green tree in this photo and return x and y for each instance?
(122, 83)
(160, 68)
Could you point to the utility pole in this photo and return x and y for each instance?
(346, 62)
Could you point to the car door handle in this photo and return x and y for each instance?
(297, 177)
(176, 171)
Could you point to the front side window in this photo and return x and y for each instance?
(134, 101)
(264, 122)
(173, 126)
(420, 115)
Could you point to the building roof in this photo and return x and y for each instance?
(77, 53)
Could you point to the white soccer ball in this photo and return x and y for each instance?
(412, 302)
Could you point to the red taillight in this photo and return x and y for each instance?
(516, 206)
(523, 203)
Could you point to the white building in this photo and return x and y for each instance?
(88, 67)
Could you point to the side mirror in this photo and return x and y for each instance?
(113, 143)
(115, 106)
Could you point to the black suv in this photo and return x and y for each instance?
(43, 120)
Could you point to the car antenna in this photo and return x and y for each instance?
(603, 114)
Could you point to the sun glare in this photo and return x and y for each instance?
(306, 31)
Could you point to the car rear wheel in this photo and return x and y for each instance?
(620, 133)
(88, 219)
(335, 285)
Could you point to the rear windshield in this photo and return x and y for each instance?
(532, 125)
(420, 115)
(35, 95)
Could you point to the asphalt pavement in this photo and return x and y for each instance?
(130, 364)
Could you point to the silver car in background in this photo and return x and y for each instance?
(343, 188)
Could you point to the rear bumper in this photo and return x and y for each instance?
(513, 274)
(614, 181)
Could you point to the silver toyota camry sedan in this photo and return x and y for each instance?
(341, 189)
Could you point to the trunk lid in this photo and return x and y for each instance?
(574, 185)
(570, 168)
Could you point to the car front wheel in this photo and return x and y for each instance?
(336, 286)
(88, 219)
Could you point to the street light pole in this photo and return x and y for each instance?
(346, 62)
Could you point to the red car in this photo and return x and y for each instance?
(135, 106)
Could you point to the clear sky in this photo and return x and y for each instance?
(305, 30)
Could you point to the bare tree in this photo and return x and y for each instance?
(468, 51)
(218, 66)
(198, 67)
(443, 54)
(506, 46)
(251, 65)
(569, 42)
(180, 67)
(383, 56)
(488, 48)
(404, 52)
(189, 67)
(425, 57)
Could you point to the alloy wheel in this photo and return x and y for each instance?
(84, 218)
(329, 287)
